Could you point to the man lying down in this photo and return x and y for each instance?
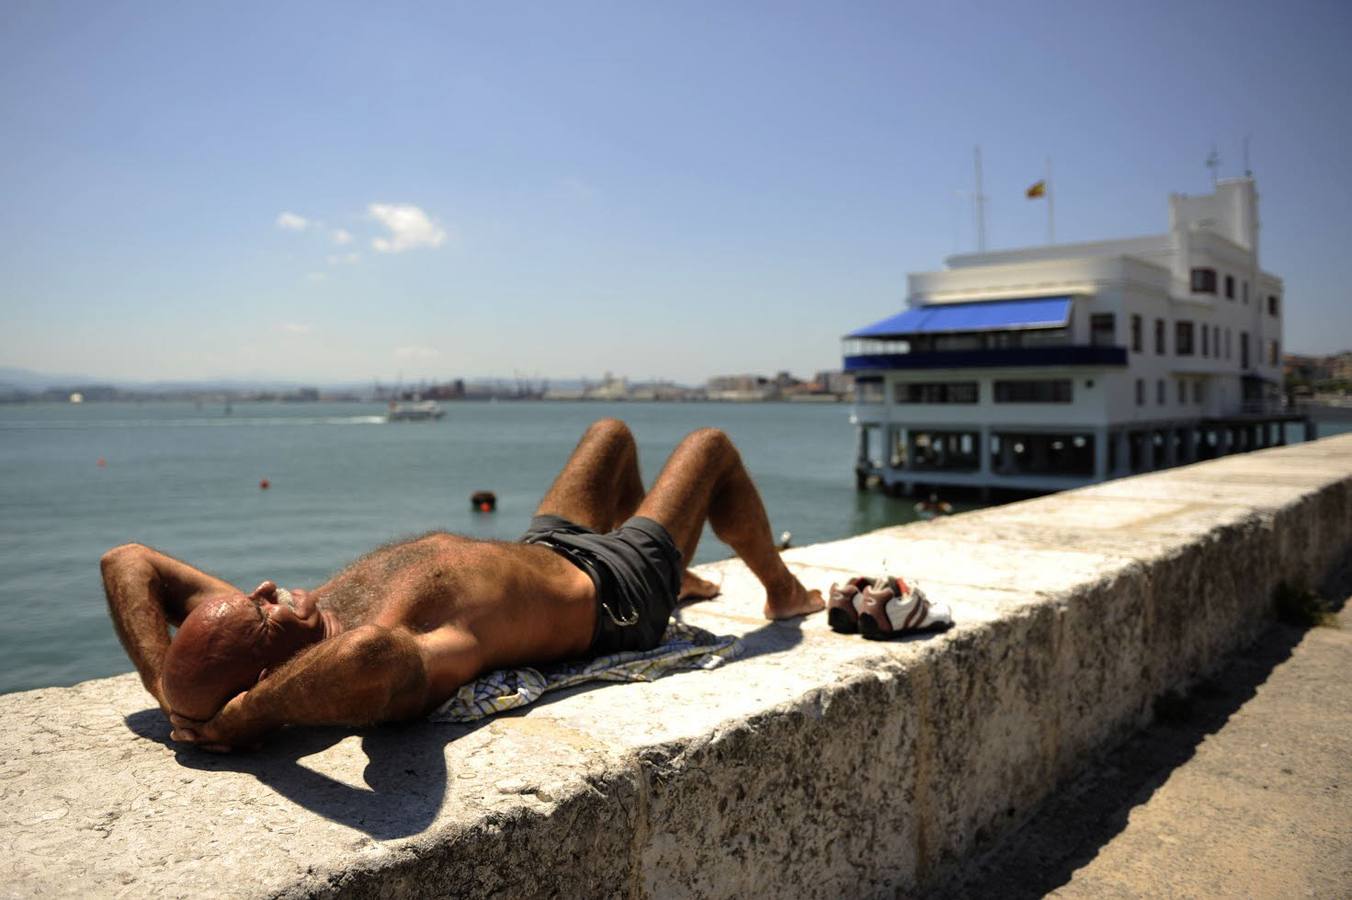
(395, 634)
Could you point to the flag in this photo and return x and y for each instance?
(1037, 189)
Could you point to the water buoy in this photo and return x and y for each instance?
(264, 484)
(102, 463)
(483, 501)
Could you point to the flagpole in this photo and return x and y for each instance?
(1051, 218)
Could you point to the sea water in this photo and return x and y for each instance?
(185, 479)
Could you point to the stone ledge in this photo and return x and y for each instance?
(818, 765)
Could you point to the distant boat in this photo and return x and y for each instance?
(414, 411)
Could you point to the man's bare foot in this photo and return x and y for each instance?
(695, 588)
(794, 600)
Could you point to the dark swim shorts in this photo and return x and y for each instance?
(637, 572)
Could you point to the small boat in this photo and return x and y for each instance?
(414, 411)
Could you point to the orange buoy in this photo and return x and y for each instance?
(102, 463)
(264, 484)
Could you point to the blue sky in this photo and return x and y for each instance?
(337, 191)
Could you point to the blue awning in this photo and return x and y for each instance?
(986, 315)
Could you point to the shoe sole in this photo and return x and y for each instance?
(840, 621)
(871, 632)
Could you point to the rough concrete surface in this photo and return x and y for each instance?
(818, 765)
(1239, 789)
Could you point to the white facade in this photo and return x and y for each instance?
(1132, 399)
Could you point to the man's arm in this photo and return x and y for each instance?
(360, 677)
(147, 592)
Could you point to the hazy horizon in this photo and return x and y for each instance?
(334, 193)
(30, 380)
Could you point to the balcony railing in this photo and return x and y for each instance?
(1265, 406)
(1000, 357)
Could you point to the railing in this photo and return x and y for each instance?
(1264, 407)
(1070, 355)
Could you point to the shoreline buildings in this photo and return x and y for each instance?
(1054, 367)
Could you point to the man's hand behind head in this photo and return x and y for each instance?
(227, 731)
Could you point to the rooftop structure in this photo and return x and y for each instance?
(1052, 367)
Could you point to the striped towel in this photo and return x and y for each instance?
(683, 647)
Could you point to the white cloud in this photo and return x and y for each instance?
(340, 259)
(295, 328)
(289, 221)
(316, 276)
(342, 236)
(409, 227)
(415, 353)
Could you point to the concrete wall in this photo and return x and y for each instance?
(818, 765)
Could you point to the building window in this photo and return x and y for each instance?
(946, 342)
(1182, 392)
(1204, 281)
(1135, 334)
(936, 392)
(1102, 330)
(1159, 392)
(1198, 391)
(1228, 344)
(1049, 390)
(1183, 338)
(1229, 287)
(1159, 336)
(1272, 304)
(1140, 392)
(868, 390)
(1243, 349)
(1246, 292)
(1274, 353)
(1206, 340)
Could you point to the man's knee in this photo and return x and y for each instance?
(610, 431)
(709, 442)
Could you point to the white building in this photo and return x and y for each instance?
(1057, 366)
(741, 388)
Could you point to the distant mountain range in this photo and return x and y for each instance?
(28, 380)
(15, 379)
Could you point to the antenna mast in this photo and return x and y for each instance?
(980, 201)
(1213, 162)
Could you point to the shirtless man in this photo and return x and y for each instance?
(395, 634)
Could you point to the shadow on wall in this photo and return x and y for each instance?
(1083, 816)
(405, 775)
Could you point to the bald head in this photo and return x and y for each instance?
(220, 649)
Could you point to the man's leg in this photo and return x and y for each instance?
(600, 487)
(705, 479)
